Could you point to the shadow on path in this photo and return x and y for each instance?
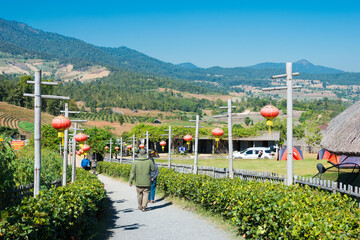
(106, 220)
(134, 226)
(160, 206)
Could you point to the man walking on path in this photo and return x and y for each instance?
(140, 176)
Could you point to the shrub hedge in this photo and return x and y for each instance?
(262, 210)
(58, 213)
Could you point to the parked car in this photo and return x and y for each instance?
(254, 153)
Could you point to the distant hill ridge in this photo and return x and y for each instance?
(18, 37)
(299, 66)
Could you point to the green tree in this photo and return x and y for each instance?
(99, 138)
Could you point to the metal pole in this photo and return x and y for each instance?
(169, 162)
(73, 172)
(60, 148)
(231, 171)
(289, 134)
(147, 144)
(37, 132)
(121, 150)
(66, 133)
(196, 144)
(133, 148)
(110, 147)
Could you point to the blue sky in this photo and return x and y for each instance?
(207, 33)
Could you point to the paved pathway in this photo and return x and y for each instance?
(162, 221)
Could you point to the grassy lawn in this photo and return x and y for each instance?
(27, 126)
(306, 167)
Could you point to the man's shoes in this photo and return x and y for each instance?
(143, 209)
(152, 201)
(140, 208)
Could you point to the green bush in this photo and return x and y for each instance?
(263, 210)
(59, 213)
(51, 166)
(7, 156)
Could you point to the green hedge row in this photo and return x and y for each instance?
(263, 210)
(59, 213)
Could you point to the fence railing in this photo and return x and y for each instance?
(11, 197)
(249, 175)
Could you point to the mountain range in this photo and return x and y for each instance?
(20, 39)
(302, 65)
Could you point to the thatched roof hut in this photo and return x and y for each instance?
(343, 134)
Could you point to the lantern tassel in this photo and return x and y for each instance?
(269, 122)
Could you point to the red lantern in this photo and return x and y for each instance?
(78, 153)
(129, 148)
(217, 132)
(61, 123)
(81, 137)
(188, 139)
(106, 148)
(163, 144)
(85, 148)
(141, 146)
(117, 148)
(81, 151)
(269, 112)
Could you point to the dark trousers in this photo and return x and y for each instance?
(152, 190)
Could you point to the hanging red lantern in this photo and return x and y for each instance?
(269, 112)
(85, 148)
(81, 151)
(106, 148)
(78, 153)
(141, 146)
(188, 139)
(217, 132)
(61, 123)
(163, 144)
(117, 148)
(129, 148)
(81, 137)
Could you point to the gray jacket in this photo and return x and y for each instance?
(154, 174)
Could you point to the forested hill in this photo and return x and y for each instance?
(303, 66)
(16, 37)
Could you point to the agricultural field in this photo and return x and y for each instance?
(23, 114)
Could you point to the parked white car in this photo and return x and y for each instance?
(254, 153)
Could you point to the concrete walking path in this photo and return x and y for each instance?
(162, 221)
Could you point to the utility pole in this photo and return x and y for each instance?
(73, 169)
(66, 133)
(133, 150)
(196, 142)
(121, 150)
(37, 124)
(289, 135)
(147, 144)
(110, 142)
(229, 115)
(169, 135)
